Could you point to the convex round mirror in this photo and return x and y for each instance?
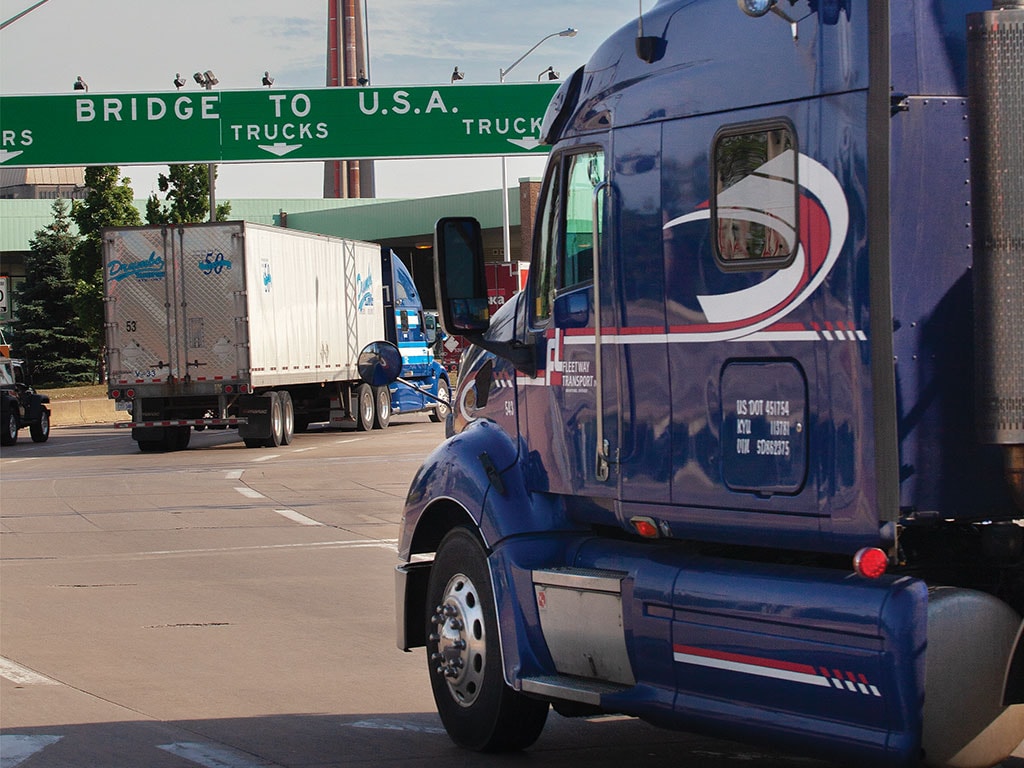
(379, 363)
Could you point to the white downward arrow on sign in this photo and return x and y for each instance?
(528, 143)
(280, 148)
(5, 155)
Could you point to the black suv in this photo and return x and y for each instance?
(20, 405)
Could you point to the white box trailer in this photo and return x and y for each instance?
(238, 324)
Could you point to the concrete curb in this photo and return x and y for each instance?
(70, 413)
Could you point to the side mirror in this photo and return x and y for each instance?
(461, 283)
(572, 310)
(379, 363)
(430, 328)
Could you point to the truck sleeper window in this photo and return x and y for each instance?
(754, 207)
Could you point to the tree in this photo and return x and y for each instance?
(108, 204)
(188, 196)
(49, 335)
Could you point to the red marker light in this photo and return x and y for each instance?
(870, 562)
(130, 394)
(645, 526)
(115, 393)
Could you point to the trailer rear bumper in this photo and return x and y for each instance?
(231, 422)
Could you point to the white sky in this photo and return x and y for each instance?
(120, 46)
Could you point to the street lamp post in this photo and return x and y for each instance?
(207, 80)
(506, 227)
(19, 15)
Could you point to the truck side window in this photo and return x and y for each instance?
(754, 207)
(586, 171)
(565, 255)
(545, 263)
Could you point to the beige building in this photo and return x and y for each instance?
(42, 183)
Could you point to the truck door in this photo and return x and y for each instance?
(564, 421)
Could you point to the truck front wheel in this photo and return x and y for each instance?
(440, 412)
(478, 709)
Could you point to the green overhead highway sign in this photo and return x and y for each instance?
(251, 126)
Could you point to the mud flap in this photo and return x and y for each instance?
(256, 410)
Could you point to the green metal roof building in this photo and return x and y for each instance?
(404, 225)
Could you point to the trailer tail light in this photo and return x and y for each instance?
(644, 526)
(114, 394)
(130, 394)
(228, 389)
(870, 562)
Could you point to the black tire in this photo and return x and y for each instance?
(254, 442)
(478, 709)
(40, 431)
(382, 413)
(182, 437)
(9, 435)
(440, 413)
(364, 407)
(276, 420)
(288, 415)
(151, 446)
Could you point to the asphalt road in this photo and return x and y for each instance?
(234, 608)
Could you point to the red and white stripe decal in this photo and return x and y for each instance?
(793, 672)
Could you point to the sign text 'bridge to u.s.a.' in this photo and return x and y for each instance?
(252, 126)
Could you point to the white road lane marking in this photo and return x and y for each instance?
(234, 474)
(214, 757)
(16, 748)
(268, 457)
(16, 673)
(388, 544)
(378, 543)
(392, 725)
(297, 517)
(249, 492)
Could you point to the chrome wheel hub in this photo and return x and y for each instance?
(461, 640)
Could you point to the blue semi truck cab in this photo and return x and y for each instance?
(409, 328)
(746, 456)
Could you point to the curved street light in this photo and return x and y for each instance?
(19, 15)
(506, 233)
(569, 32)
